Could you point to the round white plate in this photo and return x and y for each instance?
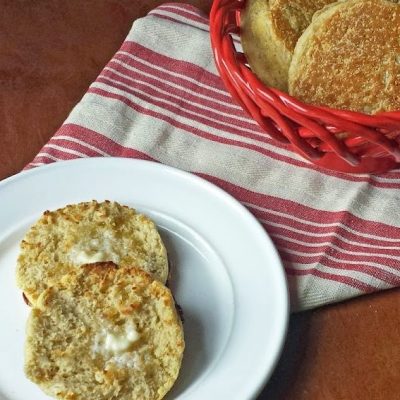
(227, 275)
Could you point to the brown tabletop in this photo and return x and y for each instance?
(50, 51)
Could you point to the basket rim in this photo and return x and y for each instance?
(314, 131)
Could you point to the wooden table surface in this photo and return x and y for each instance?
(50, 51)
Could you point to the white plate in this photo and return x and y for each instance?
(228, 277)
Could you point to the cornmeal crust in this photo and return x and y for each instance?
(349, 57)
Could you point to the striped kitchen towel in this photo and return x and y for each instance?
(160, 98)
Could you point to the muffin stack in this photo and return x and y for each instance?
(344, 55)
(103, 324)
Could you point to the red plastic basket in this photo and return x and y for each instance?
(340, 140)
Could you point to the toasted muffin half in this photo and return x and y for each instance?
(269, 33)
(349, 57)
(104, 333)
(89, 232)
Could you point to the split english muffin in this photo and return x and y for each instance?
(269, 33)
(83, 233)
(104, 333)
(349, 57)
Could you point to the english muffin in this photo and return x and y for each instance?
(104, 333)
(269, 33)
(349, 57)
(84, 233)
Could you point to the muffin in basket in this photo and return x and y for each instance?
(349, 57)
